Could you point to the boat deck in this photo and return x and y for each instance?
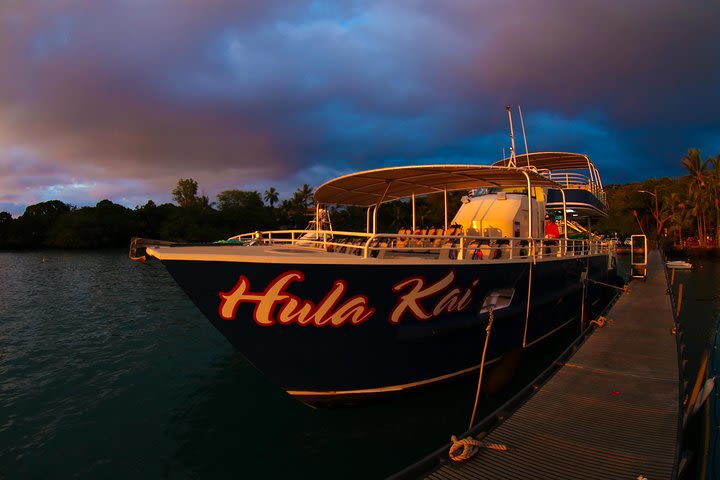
(611, 411)
(381, 248)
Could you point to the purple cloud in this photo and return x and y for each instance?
(121, 98)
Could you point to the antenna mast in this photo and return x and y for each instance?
(522, 123)
(511, 163)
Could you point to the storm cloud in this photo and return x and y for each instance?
(121, 98)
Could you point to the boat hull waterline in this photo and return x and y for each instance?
(334, 330)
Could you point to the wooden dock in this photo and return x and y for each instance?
(612, 411)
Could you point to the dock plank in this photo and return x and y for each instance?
(610, 412)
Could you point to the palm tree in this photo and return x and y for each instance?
(678, 213)
(271, 196)
(305, 192)
(697, 171)
(714, 177)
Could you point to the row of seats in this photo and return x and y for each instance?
(447, 243)
(453, 230)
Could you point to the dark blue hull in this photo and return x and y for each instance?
(359, 329)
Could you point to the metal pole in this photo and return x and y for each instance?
(511, 163)
(317, 221)
(445, 195)
(413, 212)
(375, 208)
(377, 205)
(367, 220)
(529, 214)
(522, 124)
(562, 192)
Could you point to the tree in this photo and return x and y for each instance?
(185, 193)
(271, 196)
(305, 194)
(697, 170)
(678, 213)
(660, 213)
(714, 177)
(230, 199)
(5, 217)
(47, 209)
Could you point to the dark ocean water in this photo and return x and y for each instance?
(699, 316)
(107, 370)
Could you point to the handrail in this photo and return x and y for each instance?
(451, 247)
(573, 180)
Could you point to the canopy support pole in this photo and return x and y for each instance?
(530, 236)
(317, 220)
(565, 227)
(562, 192)
(377, 205)
(367, 220)
(413, 212)
(445, 197)
(375, 209)
(529, 195)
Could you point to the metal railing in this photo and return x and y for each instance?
(572, 180)
(442, 247)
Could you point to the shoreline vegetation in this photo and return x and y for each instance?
(681, 212)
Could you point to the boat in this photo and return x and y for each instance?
(678, 265)
(337, 316)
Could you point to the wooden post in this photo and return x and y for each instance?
(679, 302)
(672, 277)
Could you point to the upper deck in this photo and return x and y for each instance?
(575, 172)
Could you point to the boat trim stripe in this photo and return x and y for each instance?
(405, 386)
(392, 388)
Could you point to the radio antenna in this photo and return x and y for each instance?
(511, 162)
(522, 123)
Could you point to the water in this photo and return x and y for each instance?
(107, 370)
(699, 315)
(700, 306)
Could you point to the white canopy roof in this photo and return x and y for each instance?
(551, 161)
(368, 188)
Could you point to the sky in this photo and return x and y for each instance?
(119, 99)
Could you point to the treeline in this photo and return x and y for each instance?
(192, 218)
(683, 211)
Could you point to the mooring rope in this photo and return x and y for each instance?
(467, 447)
(600, 321)
(491, 316)
(624, 288)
